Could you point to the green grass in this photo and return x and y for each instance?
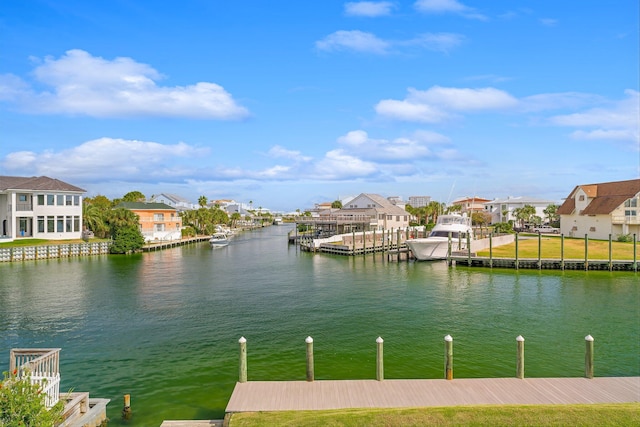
(39, 242)
(625, 414)
(573, 249)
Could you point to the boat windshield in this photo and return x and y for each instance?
(443, 233)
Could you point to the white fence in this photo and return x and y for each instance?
(27, 253)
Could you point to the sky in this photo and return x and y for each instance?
(290, 103)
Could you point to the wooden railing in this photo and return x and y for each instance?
(42, 365)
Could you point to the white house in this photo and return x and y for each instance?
(40, 207)
(383, 213)
(501, 210)
(598, 210)
(173, 200)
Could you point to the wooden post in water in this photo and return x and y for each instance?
(469, 249)
(520, 361)
(242, 376)
(379, 360)
(588, 357)
(450, 262)
(310, 373)
(126, 410)
(374, 240)
(364, 242)
(562, 251)
(586, 252)
(448, 361)
(610, 254)
(353, 243)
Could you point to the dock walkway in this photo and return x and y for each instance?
(341, 394)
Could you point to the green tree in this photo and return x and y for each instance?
(93, 218)
(202, 201)
(134, 196)
(551, 213)
(126, 239)
(524, 214)
(336, 204)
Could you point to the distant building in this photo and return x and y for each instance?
(173, 200)
(470, 205)
(158, 221)
(600, 210)
(419, 201)
(380, 212)
(502, 210)
(40, 207)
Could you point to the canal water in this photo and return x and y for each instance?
(164, 326)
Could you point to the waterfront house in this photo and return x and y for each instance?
(373, 212)
(470, 205)
(502, 210)
(600, 210)
(173, 200)
(157, 221)
(40, 207)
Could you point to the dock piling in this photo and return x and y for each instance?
(310, 373)
(126, 410)
(448, 362)
(243, 360)
(379, 359)
(588, 357)
(520, 361)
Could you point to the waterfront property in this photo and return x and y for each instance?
(40, 207)
(600, 210)
(157, 221)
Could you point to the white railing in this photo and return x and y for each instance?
(623, 219)
(42, 365)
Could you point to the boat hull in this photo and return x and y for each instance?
(429, 249)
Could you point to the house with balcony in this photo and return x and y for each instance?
(600, 210)
(174, 200)
(40, 207)
(504, 210)
(368, 212)
(157, 221)
(470, 205)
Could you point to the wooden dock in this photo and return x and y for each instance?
(341, 394)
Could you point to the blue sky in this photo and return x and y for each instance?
(289, 103)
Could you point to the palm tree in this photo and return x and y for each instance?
(202, 201)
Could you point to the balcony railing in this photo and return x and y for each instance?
(340, 219)
(43, 367)
(622, 219)
(24, 206)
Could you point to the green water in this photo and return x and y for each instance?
(164, 326)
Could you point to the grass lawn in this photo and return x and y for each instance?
(623, 414)
(573, 249)
(39, 242)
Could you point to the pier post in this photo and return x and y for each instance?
(126, 410)
(310, 374)
(242, 377)
(520, 361)
(588, 357)
(539, 250)
(610, 254)
(562, 251)
(448, 361)
(586, 252)
(516, 251)
(491, 250)
(635, 252)
(449, 243)
(469, 249)
(379, 360)
(364, 242)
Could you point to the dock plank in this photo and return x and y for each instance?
(328, 394)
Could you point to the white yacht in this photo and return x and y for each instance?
(219, 240)
(436, 245)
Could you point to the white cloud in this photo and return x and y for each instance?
(281, 152)
(358, 41)
(383, 150)
(448, 6)
(368, 8)
(438, 104)
(81, 84)
(105, 157)
(338, 165)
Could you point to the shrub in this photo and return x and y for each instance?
(625, 238)
(23, 404)
(126, 239)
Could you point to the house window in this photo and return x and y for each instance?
(41, 224)
(60, 200)
(76, 200)
(159, 227)
(581, 198)
(69, 224)
(592, 229)
(51, 222)
(158, 217)
(629, 213)
(69, 200)
(398, 218)
(50, 200)
(631, 203)
(60, 224)
(76, 223)
(40, 199)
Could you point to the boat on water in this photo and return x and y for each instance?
(219, 240)
(452, 227)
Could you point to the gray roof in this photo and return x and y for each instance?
(36, 183)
